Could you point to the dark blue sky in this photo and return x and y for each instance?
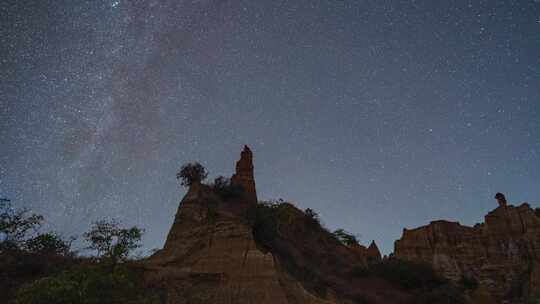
(377, 114)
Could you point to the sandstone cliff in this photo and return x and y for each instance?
(373, 252)
(244, 175)
(210, 255)
(225, 247)
(235, 250)
(502, 254)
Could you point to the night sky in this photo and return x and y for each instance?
(378, 114)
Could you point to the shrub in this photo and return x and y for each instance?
(18, 267)
(345, 238)
(113, 244)
(428, 287)
(191, 173)
(312, 215)
(48, 243)
(269, 217)
(15, 224)
(407, 275)
(266, 222)
(87, 285)
(225, 189)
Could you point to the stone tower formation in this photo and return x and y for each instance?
(244, 175)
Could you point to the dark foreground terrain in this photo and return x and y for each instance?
(227, 247)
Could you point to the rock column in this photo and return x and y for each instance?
(244, 175)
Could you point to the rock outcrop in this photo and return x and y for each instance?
(244, 175)
(370, 254)
(210, 255)
(225, 250)
(502, 254)
(373, 252)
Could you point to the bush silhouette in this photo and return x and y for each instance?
(405, 274)
(15, 225)
(48, 243)
(312, 215)
(88, 284)
(345, 238)
(113, 243)
(225, 189)
(191, 173)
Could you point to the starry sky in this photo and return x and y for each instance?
(378, 114)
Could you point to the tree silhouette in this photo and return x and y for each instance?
(49, 243)
(191, 173)
(15, 225)
(113, 244)
(345, 237)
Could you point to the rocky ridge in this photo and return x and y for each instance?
(210, 255)
(244, 175)
(501, 255)
(216, 252)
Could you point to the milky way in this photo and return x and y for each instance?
(378, 114)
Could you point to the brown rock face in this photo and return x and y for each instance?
(368, 255)
(215, 253)
(244, 174)
(210, 255)
(373, 252)
(503, 254)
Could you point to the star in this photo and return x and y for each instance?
(102, 101)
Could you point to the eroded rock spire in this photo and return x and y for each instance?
(500, 199)
(373, 252)
(244, 174)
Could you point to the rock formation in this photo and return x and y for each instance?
(210, 255)
(244, 175)
(214, 254)
(501, 199)
(228, 249)
(502, 254)
(368, 255)
(373, 253)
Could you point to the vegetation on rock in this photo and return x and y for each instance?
(227, 191)
(41, 268)
(345, 237)
(407, 275)
(191, 173)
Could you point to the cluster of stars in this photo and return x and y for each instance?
(366, 111)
